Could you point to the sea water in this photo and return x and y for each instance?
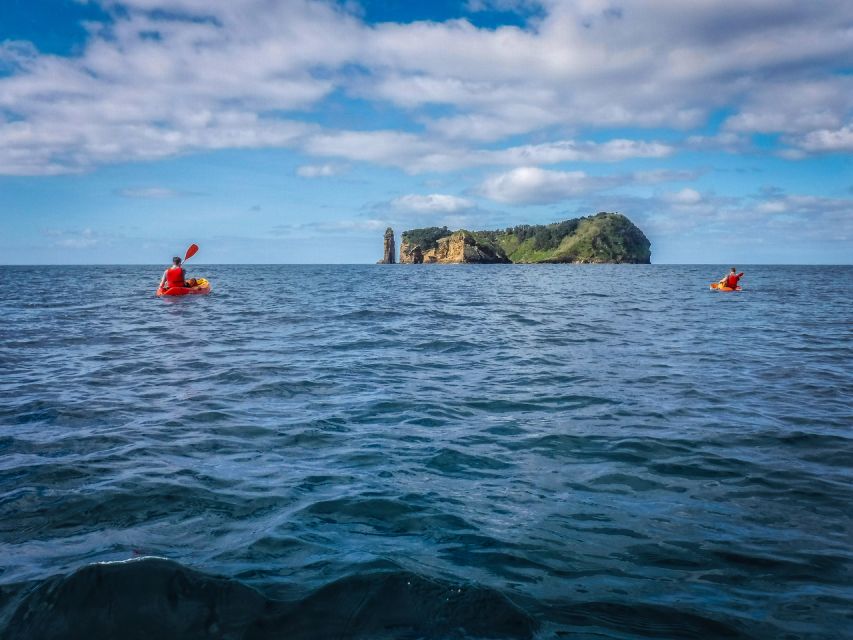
(592, 451)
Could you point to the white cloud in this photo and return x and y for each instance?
(772, 206)
(789, 219)
(652, 63)
(686, 196)
(320, 170)
(532, 185)
(828, 141)
(197, 86)
(656, 176)
(380, 147)
(794, 105)
(724, 141)
(573, 151)
(175, 76)
(433, 203)
(418, 154)
(83, 239)
(149, 192)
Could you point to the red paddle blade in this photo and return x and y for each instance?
(191, 252)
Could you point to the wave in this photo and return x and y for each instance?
(158, 598)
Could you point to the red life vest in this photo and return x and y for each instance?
(732, 279)
(175, 276)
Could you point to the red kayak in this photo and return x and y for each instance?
(716, 287)
(202, 287)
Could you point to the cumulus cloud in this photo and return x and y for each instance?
(380, 147)
(167, 77)
(657, 63)
(574, 151)
(772, 206)
(198, 85)
(155, 193)
(435, 209)
(810, 207)
(685, 196)
(727, 141)
(418, 154)
(827, 141)
(795, 105)
(320, 170)
(433, 203)
(656, 176)
(772, 214)
(532, 185)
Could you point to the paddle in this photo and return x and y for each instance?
(191, 252)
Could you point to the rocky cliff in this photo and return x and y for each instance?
(458, 247)
(602, 238)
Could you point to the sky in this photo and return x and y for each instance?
(296, 131)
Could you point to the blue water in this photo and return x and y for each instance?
(591, 451)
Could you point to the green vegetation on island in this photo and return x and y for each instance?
(601, 238)
(426, 238)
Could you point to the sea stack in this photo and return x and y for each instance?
(388, 250)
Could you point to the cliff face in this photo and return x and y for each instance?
(458, 247)
(602, 238)
(388, 247)
(410, 253)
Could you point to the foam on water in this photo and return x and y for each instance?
(459, 451)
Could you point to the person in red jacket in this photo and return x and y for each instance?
(731, 280)
(175, 276)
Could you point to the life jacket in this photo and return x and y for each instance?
(175, 276)
(732, 279)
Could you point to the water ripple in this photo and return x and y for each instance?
(495, 451)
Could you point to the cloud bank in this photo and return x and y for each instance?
(169, 77)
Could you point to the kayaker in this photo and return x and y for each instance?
(730, 280)
(175, 276)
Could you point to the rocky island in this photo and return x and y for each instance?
(599, 239)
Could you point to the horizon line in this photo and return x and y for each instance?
(359, 264)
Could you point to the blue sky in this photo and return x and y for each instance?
(296, 131)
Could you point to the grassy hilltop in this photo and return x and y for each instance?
(602, 238)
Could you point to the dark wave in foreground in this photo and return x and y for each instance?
(157, 598)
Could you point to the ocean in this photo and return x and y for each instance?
(449, 451)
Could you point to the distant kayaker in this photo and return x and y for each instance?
(175, 276)
(731, 280)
